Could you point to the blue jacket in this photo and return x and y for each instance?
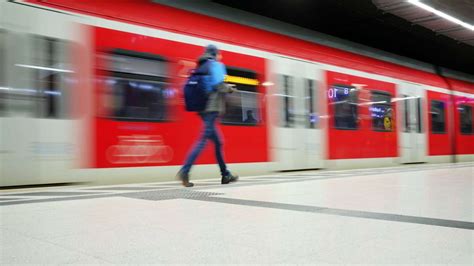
(215, 87)
(216, 75)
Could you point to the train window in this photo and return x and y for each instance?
(137, 86)
(406, 110)
(409, 102)
(465, 118)
(287, 100)
(52, 72)
(438, 122)
(381, 111)
(242, 107)
(419, 127)
(312, 114)
(344, 98)
(39, 72)
(136, 99)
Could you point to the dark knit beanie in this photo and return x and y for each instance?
(211, 49)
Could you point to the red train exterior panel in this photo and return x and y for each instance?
(439, 143)
(464, 141)
(363, 142)
(175, 137)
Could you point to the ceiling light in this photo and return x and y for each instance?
(441, 14)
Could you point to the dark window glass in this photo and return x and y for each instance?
(51, 81)
(53, 90)
(135, 99)
(287, 100)
(465, 119)
(408, 102)
(242, 107)
(418, 117)
(312, 115)
(381, 111)
(137, 86)
(344, 99)
(438, 122)
(406, 110)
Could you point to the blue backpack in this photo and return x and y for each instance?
(195, 90)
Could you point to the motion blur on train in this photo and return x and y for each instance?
(92, 92)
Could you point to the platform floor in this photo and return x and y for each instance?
(417, 214)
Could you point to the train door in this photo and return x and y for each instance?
(37, 135)
(412, 137)
(298, 135)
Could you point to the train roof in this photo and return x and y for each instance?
(260, 22)
(189, 17)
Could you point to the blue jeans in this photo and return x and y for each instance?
(209, 132)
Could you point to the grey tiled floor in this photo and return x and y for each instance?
(420, 214)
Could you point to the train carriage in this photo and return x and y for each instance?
(88, 95)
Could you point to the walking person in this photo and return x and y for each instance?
(214, 107)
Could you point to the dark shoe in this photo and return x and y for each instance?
(229, 178)
(184, 177)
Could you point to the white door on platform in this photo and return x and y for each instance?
(411, 98)
(37, 136)
(298, 135)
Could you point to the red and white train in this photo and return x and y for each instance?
(91, 91)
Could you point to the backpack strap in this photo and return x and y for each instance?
(204, 69)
